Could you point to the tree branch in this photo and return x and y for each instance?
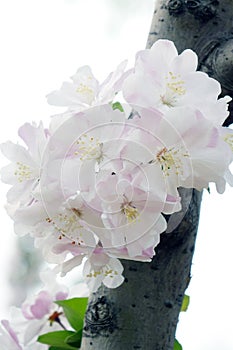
(143, 312)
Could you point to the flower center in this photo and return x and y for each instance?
(131, 212)
(106, 271)
(174, 89)
(54, 317)
(170, 158)
(89, 148)
(23, 172)
(67, 224)
(229, 140)
(86, 91)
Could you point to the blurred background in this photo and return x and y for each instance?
(42, 44)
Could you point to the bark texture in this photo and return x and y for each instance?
(143, 312)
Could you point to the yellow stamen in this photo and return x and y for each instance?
(84, 89)
(176, 85)
(170, 158)
(229, 140)
(68, 225)
(174, 89)
(131, 213)
(89, 148)
(106, 271)
(23, 172)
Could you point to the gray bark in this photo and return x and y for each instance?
(143, 312)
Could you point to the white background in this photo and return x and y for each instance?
(42, 44)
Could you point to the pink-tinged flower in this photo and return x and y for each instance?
(101, 268)
(24, 171)
(39, 314)
(131, 211)
(70, 238)
(8, 337)
(85, 140)
(86, 91)
(163, 79)
(58, 227)
(189, 154)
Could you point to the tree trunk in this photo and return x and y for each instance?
(143, 312)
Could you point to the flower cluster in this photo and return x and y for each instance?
(93, 186)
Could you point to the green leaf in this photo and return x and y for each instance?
(59, 348)
(75, 339)
(74, 310)
(57, 339)
(117, 105)
(177, 345)
(185, 303)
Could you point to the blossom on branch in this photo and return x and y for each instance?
(94, 187)
(162, 79)
(85, 90)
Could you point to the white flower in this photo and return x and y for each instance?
(90, 136)
(163, 79)
(101, 268)
(24, 171)
(86, 91)
(185, 146)
(131, 212)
